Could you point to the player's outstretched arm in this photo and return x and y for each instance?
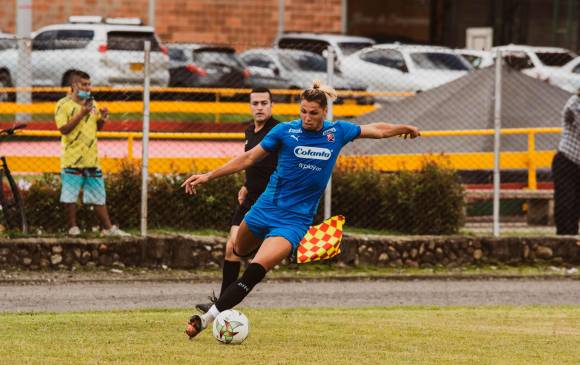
(386, 130)
(236, 164)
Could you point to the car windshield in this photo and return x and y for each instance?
(217, 57)
(349, 48)
(438, 61)
(131, 41)
(555, 59)
(177, 54)
(303, 62)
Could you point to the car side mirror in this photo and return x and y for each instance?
(276, 71)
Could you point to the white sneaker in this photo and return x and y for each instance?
(114, 231)
(74, 231)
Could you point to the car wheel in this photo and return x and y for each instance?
(6, 81)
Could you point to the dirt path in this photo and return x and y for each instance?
(63, 297)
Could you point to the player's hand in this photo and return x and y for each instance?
(193, 181)
(242, 194)
(413, 132)
(86, 108)
(104, 114)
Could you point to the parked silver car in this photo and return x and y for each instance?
(206, 65)
(110, 50)
(397, 67)
(293, 69)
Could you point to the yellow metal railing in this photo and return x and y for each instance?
(217, 107)
(529, 159)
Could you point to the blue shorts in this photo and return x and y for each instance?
(266, 222)
(90, 180)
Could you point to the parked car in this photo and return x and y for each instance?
(396, 67)
(110, 50)
(568, 76)
(477, 58)
(276, 68)
(537, 62)
(203, 65)
(342, 45)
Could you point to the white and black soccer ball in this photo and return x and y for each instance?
(231, 327)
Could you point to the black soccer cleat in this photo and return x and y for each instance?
(204, 307)
(194, 326)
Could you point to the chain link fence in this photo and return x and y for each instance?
(199, 110)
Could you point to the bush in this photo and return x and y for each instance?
(428, 201)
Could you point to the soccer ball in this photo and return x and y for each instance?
(231, 327)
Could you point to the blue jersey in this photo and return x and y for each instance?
(305, 163)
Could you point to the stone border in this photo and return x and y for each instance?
(197, 252)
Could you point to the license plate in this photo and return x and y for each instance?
(136, 67)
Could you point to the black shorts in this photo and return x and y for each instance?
(241, 211)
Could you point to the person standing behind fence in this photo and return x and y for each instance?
(257, 177)
(566, 170)
(78, 118)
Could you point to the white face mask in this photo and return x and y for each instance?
(84, 94)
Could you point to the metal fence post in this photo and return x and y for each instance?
(329, 116)
(23, 77)
(145, 142)
(496, 144)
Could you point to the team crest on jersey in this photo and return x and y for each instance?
(330, 137)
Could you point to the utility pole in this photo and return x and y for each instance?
(23, 77)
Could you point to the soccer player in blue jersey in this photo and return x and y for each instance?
(307, 151)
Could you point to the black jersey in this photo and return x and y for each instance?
(258, 175)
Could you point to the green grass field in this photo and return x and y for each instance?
(395, 335)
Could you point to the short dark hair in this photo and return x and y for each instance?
(261, 90)
(76, 75)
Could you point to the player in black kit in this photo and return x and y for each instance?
(257, 177)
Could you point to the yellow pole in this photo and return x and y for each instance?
(532, 182)
(217, 104)
(130, 147)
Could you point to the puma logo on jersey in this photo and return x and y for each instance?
(295, 137)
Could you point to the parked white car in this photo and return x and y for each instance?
(478, 58)
(342, 45)
(396, 67)
(537, 62)
(276, 68)
(110, 50)
(568, 76)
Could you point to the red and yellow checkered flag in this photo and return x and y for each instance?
(321, 242)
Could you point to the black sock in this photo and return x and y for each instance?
(238, 290)
(231, 272)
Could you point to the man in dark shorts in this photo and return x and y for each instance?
(257, 177)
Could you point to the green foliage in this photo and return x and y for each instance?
(428, 201)
(168, 205)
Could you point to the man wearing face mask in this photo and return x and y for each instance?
(78, 118)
